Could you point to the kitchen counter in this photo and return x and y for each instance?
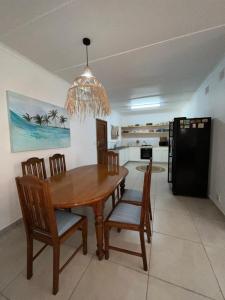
(139, 146)
(119, 148)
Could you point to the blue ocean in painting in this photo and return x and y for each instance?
(29, 136)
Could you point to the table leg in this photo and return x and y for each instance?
(99, 226)
(122, 187)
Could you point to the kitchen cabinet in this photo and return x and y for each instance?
(160, 154)
(123, 155)
(134, 154)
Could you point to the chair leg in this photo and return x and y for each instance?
(29, 258)
(148, 227)
(118, 193)
(143, 251)
(106, 235)
(84, 237)
(150, 211)
(56, 256)
(113, 199)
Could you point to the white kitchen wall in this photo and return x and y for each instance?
(212, 104)
(142, 119)
(20, 75)
(152, 117)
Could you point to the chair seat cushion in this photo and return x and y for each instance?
(126, 213)
(132, 195)
(65, 220)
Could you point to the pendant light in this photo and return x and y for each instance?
(87, 95)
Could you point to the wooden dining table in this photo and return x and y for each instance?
(91, 186)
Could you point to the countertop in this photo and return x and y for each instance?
(139, 146)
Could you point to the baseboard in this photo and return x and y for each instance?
(10, 226)
(218, 205)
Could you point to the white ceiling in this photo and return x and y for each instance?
(162, 48)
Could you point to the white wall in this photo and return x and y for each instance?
(213, 105)
(152, 117)
(114, 119)
(20, 75)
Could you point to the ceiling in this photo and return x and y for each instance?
(158, 48)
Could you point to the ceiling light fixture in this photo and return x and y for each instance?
(87, 95)
(140, 106)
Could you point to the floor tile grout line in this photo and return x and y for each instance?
(177, 237)
(178, 211)
(14, 278)
(213, 245)
(200, 242)
(127, 267)
(2, 295)
(21, 272)
(208, 258)
(11, 281)
(82, 275)
(182, 287)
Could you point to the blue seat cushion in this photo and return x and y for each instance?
(132, 195)
(126, 213)
(65, 220)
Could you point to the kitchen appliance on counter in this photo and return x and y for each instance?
(163, 141)
(188, 163)
(146, 152)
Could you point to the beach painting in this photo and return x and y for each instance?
(36, 125)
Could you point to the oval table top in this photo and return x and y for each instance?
(85, 185)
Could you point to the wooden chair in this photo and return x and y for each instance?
(57, 164)
(111, 159)
(135, 197)
(130, 217)
(34, 166)
(46, 225)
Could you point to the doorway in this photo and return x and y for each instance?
(101, 137)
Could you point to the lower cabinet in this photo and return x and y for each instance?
(134, 154)
(160, 154)
(123, 156)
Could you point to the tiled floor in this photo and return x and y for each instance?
(186, 257)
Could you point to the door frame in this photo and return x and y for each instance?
(106, 138)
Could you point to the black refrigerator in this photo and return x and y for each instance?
(188, 163)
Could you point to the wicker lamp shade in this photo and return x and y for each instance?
(87, 96)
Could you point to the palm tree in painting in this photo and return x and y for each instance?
(38, 119)
(53, 114)
(27, 117)
(46, 119)
(62, 120)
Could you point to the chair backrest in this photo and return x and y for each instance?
(111, 158)
(37, 210)
(34, 166)
(146, 194)
(57, 164)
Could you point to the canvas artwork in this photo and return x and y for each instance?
(114, 132)
(35, 124)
